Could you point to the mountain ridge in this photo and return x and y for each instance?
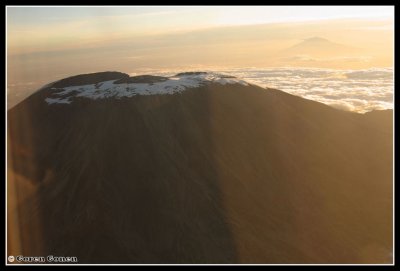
(217, 173)
(318, 46)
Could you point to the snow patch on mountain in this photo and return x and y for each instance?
(57, 101)
(111, 88)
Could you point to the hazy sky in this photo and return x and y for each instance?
(48, 43)
(36, 28)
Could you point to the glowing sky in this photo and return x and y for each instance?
(55, 26)
(49, 43)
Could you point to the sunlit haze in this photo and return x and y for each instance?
(49, 43)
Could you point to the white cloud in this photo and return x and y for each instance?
(353, 90)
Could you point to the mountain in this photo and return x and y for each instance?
(320, 47)
(196, 168)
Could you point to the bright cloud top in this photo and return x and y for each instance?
(352, 90)
(359, 91)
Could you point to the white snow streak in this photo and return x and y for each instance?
(108, 89)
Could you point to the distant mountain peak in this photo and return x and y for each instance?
(316, 39)
(318, 46)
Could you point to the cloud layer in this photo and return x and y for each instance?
(353, 90)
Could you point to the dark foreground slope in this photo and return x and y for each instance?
(216, 174)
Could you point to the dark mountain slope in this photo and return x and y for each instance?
(214, 174)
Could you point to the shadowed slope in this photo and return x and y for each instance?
(215, 174)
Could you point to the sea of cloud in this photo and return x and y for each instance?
(352, 90)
